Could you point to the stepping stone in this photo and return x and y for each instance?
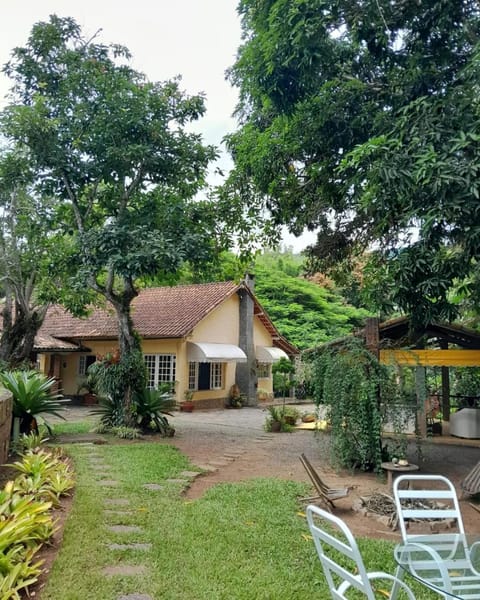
(102, 475)
(129, 546)
(219, 463)
(118, 513)
(135, 597)
(153, 487)
(233, 455)
(190, 473)
(124, 528)
(107, 482)
(124, 570)
(208, 468)
(182, 481)
(117, 501)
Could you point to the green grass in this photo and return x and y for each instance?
(67, 427)
(240, 541)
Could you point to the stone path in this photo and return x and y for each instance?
(117, 508)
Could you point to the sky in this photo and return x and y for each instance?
(197, 39)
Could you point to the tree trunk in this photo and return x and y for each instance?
(128, 343)
(20, 326)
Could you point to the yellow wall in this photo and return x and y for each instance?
(221, 325)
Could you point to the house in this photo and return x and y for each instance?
(205, 338)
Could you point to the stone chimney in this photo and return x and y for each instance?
(246, 373)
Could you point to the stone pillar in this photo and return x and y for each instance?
(246, 373)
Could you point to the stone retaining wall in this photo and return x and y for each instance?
(5, 423)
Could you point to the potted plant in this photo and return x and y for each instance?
(187, 405)
(235, 397)
(291, 415)
(274, 421)
(87, 388)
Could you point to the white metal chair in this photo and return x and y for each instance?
(331, 533)
(442, 558)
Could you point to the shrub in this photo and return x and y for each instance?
(32, 396)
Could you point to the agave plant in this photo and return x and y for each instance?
(32, 397)
(150, 408)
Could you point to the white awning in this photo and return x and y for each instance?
(209, 352)
(267, 354)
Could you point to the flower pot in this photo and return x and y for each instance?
(89, 399)
(276, 426)
(186, 406)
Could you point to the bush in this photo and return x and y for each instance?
(32, 396)
(25, 518)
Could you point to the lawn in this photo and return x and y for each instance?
(239, 541)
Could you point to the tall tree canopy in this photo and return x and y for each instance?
(360, 119)
(114, 152)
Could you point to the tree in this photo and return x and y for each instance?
(29, 265)
(359, 120)
(114, 152)
(306, 313)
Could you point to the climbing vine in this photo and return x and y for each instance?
(361, 394)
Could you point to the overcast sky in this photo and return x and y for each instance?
(197, 39)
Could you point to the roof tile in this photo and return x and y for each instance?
(165, 312)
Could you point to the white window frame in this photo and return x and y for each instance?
(216, 376)
(82, 365)
(262, 368)
(193, 375)
(161, 368)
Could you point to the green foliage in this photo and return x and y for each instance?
(117, 377)
(358, 390)
(306, 313)
(150, 408)
(43, 475)
(358, 120)
(465, 381)
(25, 518)
(32, 397)
(284, 416)
(116, 154)
(126, 433)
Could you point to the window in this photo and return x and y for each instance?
(205, 376)
(84, 361)
(263, 370)
(192, 375)
(160, 369)
(216, 380)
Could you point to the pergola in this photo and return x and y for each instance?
(396, 342)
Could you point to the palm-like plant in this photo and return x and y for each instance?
(150, 407)
(32, 397)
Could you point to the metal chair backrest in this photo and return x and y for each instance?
(425, 503)
(331, 537)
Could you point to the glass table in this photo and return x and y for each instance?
(447, 563)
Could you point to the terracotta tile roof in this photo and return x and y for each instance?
(165, 312)
(48, 343)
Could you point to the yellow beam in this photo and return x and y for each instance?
(431, 358)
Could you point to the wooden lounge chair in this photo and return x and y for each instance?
(324, 493)
(471, 484)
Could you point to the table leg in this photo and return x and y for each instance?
(389, 480)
